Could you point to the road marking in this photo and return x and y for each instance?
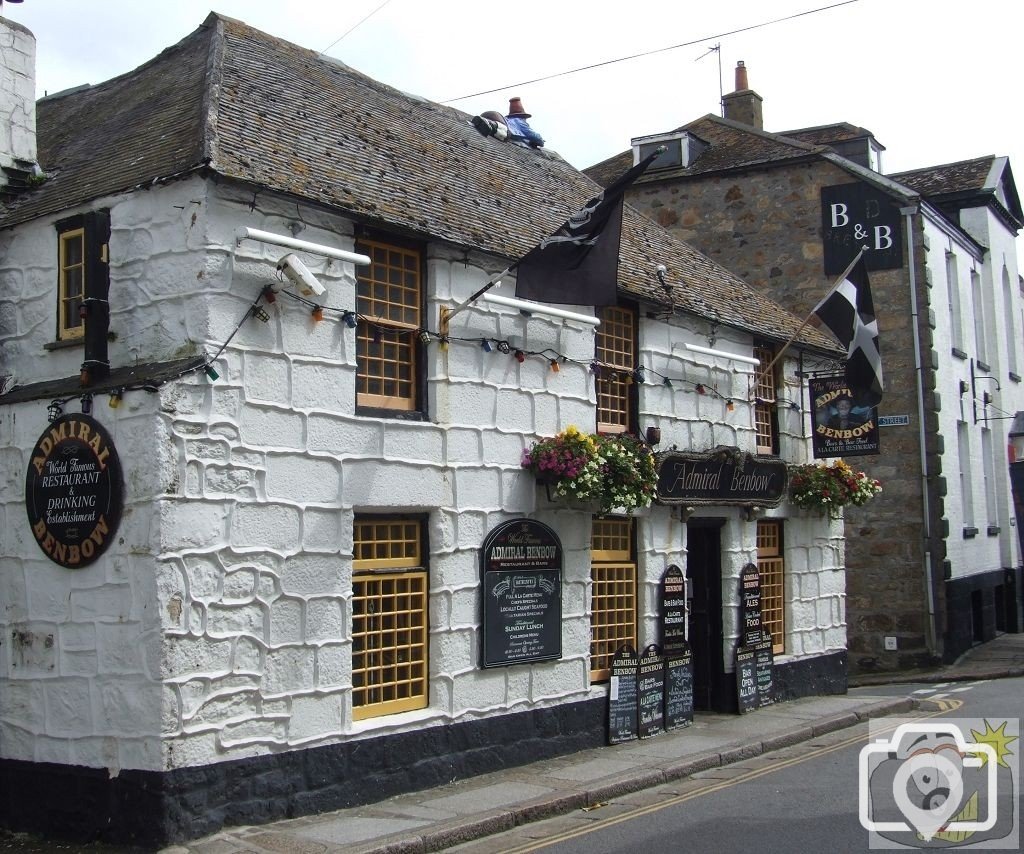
(718, 786)
(924, 691)
(961, 690)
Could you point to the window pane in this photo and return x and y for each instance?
(615, 344)
(389, 618)
(389, 293)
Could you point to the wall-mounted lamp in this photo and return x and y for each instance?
(540, 308)
(722, 354)
(653, 435)
(302, 245)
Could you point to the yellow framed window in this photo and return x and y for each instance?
(389, 617)
(613, 597)
(765, 424)
(71, 283)
(615, 344)
(389, 294)
(772, 568)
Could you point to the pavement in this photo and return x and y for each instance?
(440, 818)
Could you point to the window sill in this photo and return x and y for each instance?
(970, 533)
(1014, 377)
(64, 344)
(395, 414)
(982, 365)
(993, 530)
(960, 354)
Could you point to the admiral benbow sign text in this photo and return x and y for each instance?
(73, 491)
(721, 476)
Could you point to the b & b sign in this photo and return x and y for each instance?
(856, 215)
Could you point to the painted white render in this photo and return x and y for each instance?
(976, 343)
(217, 626)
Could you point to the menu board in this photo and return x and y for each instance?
(746, 679)
(673, 611)
(522, 594)
(651, 692)
(750, 604)
(622, 696)
(679, 691)
(764, 660)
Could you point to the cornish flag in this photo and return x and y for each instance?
(579, 263)
(849, 312)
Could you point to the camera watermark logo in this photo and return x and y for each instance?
(941, 784)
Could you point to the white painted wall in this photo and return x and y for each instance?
(984, 552)
(218, 625)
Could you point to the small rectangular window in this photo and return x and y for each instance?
(390, 626)
(613, 593)
(389, 298)
(71, 283)
(771, 565)
(615, 345)
(766, 424)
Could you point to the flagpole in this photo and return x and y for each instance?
(793, 337)
(494, 280)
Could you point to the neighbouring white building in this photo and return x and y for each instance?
(278, 606)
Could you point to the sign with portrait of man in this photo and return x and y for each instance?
(843, 426)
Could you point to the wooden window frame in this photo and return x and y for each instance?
(390, 645)
(771, 565)
(390, 327)
(91, 233)
(613, 580)
(766, 419)
(616, 343)
(70, 325)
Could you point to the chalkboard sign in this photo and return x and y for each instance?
(651, 692)
(750, 604)
(679, 691)
(622, 696)
(746, 679)
(673, 611)
(522, 594)
(764, 660)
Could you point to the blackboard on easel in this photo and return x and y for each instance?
(651, 692)
(679, 690)
(750, 605)
(673, 612)
(764, 662)
(622, 696)
(746, 679)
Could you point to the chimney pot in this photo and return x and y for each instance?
(741, 77)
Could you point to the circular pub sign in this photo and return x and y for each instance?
(73, 491)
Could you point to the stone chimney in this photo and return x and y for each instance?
(743, 105)
(17, 106)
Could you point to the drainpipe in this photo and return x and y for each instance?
(909, 213)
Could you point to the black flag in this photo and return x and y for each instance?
(579, 263)
(850, 313)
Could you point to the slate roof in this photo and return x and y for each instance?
(829, 134)
(969, 183)
(965, 176)
(245, 105)
(732, 145)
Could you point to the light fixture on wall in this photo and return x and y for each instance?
(722, 354)
(301, 245)
(653, 435)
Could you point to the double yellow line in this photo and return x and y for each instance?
(717, 786)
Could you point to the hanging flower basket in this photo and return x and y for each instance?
(827, 489)
(614, 471)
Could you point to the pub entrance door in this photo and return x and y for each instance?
(704, 586)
